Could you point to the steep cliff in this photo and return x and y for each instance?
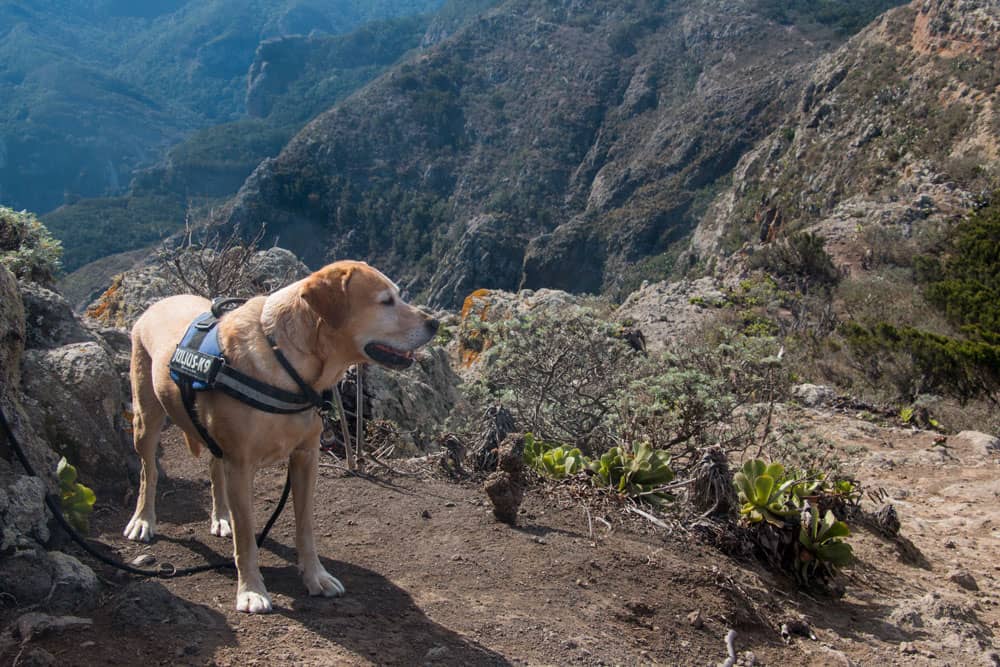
(897, 129)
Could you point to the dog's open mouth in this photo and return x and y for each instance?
(389, 356)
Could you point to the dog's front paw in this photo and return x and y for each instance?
(221, 528)
(140, 529)
(253, 603)
(321, 582)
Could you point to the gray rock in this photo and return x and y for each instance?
(26, 577)
(73, 394)
(56, 580)
(23, 514)
(417, 400)
(12, 331)
(49, 319)
(36, 657)
(813, 395)
(35, 625)
(668, 311)
(974, 445)
(964, 579)
(74, 585)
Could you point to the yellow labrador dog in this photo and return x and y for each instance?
(343, 314)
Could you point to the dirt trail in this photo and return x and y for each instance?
(433, 579)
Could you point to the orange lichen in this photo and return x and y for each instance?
(470, 303)
(106, 301)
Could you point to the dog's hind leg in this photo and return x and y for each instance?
(220, 505)
(147, 421)
(302, 467)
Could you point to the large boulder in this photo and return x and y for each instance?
(55, 580)
(49, 318)
(133, 291)
(24, 519)
(418, 400)
(666, 312)
(73, 396)
(12, 339)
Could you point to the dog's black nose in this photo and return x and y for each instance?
(432, 326)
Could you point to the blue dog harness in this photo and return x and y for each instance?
(198, 364)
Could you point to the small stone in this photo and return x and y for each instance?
(449, 504)
(426, 514)
(950, 544)
(87, 644)
(143, 560)
(456, 557)
(695, 620)
(34, 625)
(436, 653)
(539, 540)
(907, 648)
(964, 579)
(570, 644)
(36, 657)
(352, 522)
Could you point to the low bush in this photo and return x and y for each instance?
(27, 248)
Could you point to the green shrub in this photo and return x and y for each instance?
(965, 369)
(822, 549)
(27, 248)
(965, 281)
(799, 261)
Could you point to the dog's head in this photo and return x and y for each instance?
(364, 307)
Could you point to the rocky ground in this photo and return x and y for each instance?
(432, 578)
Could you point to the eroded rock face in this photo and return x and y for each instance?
(417, 400)
(49, 319)
(667, 312)
(74, 397)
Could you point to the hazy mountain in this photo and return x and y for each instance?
(91, 90)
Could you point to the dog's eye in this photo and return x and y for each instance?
(388, 301)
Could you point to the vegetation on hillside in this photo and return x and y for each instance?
(91, 91)
(213, 162)
(27, 248)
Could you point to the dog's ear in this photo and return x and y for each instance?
(326, 293)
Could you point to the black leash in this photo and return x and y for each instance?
(165, 572)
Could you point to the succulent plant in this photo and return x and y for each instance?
(641, 474)
(556, 461)
(822, 550)
(77, 500)
(764, 492)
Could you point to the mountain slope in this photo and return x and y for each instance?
(539, 146)
(91, 90)
(896, 129)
